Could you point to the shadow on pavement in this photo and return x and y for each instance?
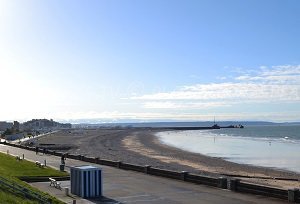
(104, 200)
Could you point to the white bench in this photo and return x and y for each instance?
(39, 164)
(18, 158)
(54, 183)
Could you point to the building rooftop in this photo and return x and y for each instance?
(86, 167)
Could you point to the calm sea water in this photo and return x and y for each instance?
(269, 146)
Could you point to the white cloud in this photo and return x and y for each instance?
(162, 105)
(230, 91)
(275, 84)
(287, 74)
(183, 105)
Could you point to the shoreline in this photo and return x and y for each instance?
(275, 153)
(142, 147)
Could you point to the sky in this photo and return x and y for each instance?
(150, 60)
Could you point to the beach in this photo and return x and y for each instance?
(141, 146)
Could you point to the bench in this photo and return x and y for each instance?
(54, 183)
(18, 158)
(39, 164)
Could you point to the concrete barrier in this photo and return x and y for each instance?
(51, 152)
(261, 190)
(108, 162)
(89, 159)
(165, 173)
(59, 154)
(131, 167)
(210, 181)
(72, 156)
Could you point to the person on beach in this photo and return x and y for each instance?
(36, 150)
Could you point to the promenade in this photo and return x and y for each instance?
(121, 186)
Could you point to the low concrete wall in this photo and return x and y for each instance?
(108, 162)
(291, 195)
(132, 167)
(72, 156)
(262, 190)
(164, 173)
(210, 181)
(89, 159)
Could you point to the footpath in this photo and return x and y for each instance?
(121, 186)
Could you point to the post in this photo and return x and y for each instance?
(222, 182)
(67, 191)
(7, 151)
(146, 169)
(23, 156)
(183, 175)
(292, 194)
(61, 167)
(232, 184)
(45, 163)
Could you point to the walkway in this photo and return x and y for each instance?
(121, 186)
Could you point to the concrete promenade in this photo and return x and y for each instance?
(121, 186)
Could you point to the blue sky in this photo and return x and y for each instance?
(150, 60)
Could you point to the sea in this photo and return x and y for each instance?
(268, 146)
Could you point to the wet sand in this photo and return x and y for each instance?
(140, 146)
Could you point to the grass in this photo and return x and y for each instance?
(7, 197)
(11, 169)
(14, 168)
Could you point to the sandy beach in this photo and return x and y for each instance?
(141, 146)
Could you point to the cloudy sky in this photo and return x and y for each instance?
(151, 60)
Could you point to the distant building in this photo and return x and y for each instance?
(44, 124)
(16, 126)
(5, 125)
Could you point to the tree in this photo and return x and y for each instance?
(7, 132)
